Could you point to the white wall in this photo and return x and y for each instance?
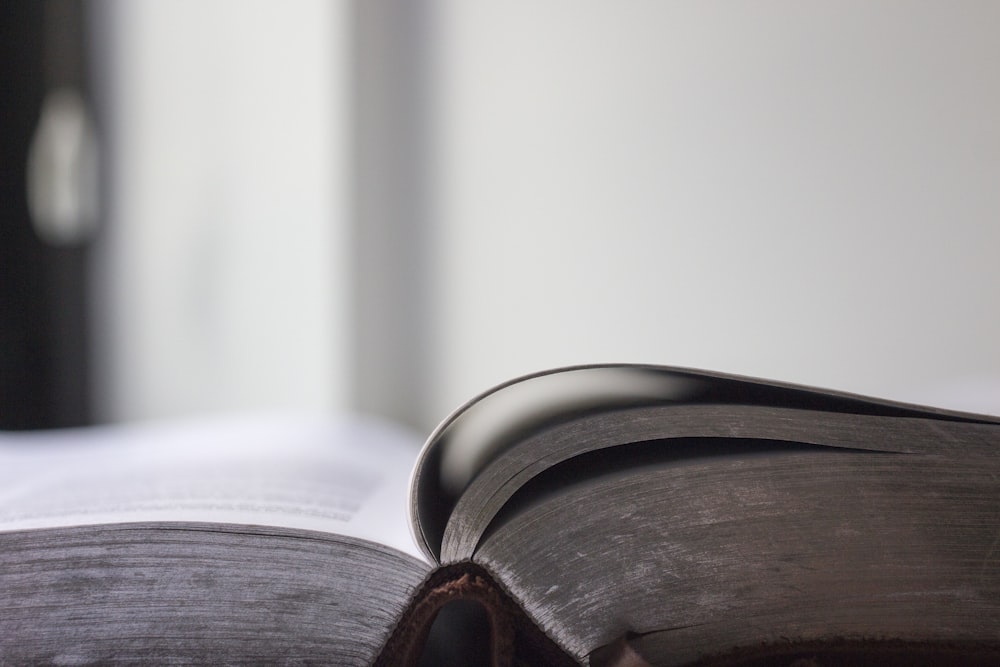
(223, 272)
(806, 191)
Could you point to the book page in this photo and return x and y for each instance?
(346, 476)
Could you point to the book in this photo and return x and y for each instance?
(602, 515)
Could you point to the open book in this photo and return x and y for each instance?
(604, 515)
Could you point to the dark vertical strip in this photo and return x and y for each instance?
(24, 337)
(102, 46)
(43, 332)
(392, 227)
(66, 265)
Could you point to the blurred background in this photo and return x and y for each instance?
(387, 206)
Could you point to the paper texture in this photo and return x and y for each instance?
(340, 476)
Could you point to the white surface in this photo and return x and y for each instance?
(222, 271)
(806, 192)
(344, 477)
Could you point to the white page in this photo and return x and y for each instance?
(346, 476)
